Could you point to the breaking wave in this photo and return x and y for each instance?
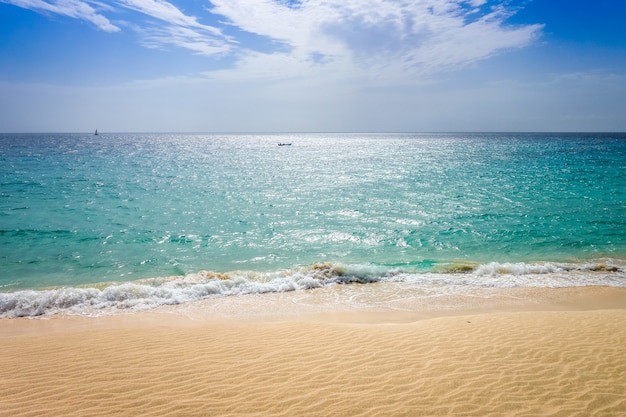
(114, 298)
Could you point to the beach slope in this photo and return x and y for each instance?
(504, 363)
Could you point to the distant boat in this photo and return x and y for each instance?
(284, 144)
(96, 133)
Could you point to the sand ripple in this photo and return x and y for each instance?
(504, 364)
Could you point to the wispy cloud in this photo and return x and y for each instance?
(183, 37)
(160, 23)
(166, 12)
(173, 27)
(377, 40)
(71, 8)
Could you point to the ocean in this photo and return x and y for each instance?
(93, 225)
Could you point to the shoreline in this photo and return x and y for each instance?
(524, 351)
(113, 298)
(353, 303)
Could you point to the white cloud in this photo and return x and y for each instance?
(162, 22)
(71, 8)
(182, 37)
(176, 28)
(166, 12)
(376, 39)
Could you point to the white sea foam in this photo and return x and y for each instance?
(495, 268)
(147, 294)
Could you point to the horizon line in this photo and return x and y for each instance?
(324, 132)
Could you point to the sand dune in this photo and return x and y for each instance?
(522, 363)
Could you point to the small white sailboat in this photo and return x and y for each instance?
(96, 132)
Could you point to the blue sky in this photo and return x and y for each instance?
(318, 65)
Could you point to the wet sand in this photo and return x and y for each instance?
(526, 352)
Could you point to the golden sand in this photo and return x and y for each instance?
(553, 358)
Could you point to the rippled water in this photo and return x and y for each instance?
(82, 209)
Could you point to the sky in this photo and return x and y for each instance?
(312, 65)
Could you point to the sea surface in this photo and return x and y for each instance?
(94, 225)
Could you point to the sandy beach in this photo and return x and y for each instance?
(554, 352)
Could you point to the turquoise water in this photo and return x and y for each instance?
(90, 214)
